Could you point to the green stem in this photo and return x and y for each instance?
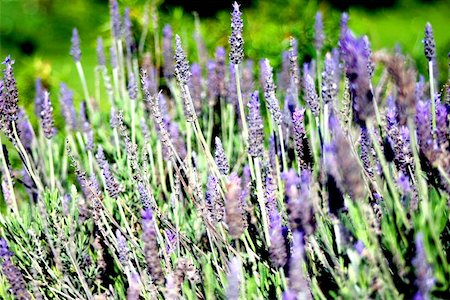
(387, 175)
(9, 180)
(133, 121)
(283, 153)
(261, 201)
(50, 159)
(241, 105)
(433, 102)
(24, 154)
(84, 85)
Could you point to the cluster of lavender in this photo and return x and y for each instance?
(191, 191)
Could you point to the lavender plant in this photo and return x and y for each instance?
(287, 198)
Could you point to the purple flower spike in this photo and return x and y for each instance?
(311, 95)
(211, 83)
(47, 117)
(216, 207)
(25, 129)
(329, 84)
(100, 53)
(68, 109)
(424, 272)
(255, 127)
(127, 32)
(151, 246)
(15, 278)
(298, 287)
(278, 252)
(318, 32)
(115, 19)
(75, 51)
(234, 279)
(196, 87)
(182, 69)
(423, 125)
(10, 96)
(299, 135)
(132, 87)
(269, 93)
(220, 76)
(39, 96)
(220, 158)
(113, 53)
(429, 46)
(167, 51)
(354, 54)
(122, 248)
(236, 39)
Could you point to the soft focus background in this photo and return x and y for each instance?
(37, 32)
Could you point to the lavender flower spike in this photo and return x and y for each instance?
(182, 69)
(100, 53)
(311, 95)
(75, 51)
(354, 54)
(299, 135)
(151, 246)
(255, 127)
(236, 40)
(329, 85)
(429, 45)
(47, 117)
(234, 279)
(115, 19)
(15, 278)
(68, 109)
(167, 51)
(132, 87)
(424, 273)
(318, 32)
(220, 158)
(298, 283)
(269, 93)
(9, 97)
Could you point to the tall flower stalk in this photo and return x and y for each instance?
(236, 56)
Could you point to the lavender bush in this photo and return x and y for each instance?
(198, 183)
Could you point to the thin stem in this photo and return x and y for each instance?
(433, 102)
(241, 104)
(133, 121)
(283, 153)
(387, 175)
(8, 179)
(84, 84)
(50, 159)
(24, 154)
(261, 201)
(230, 131)
(210, 123)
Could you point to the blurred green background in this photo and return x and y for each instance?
(37, 32)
